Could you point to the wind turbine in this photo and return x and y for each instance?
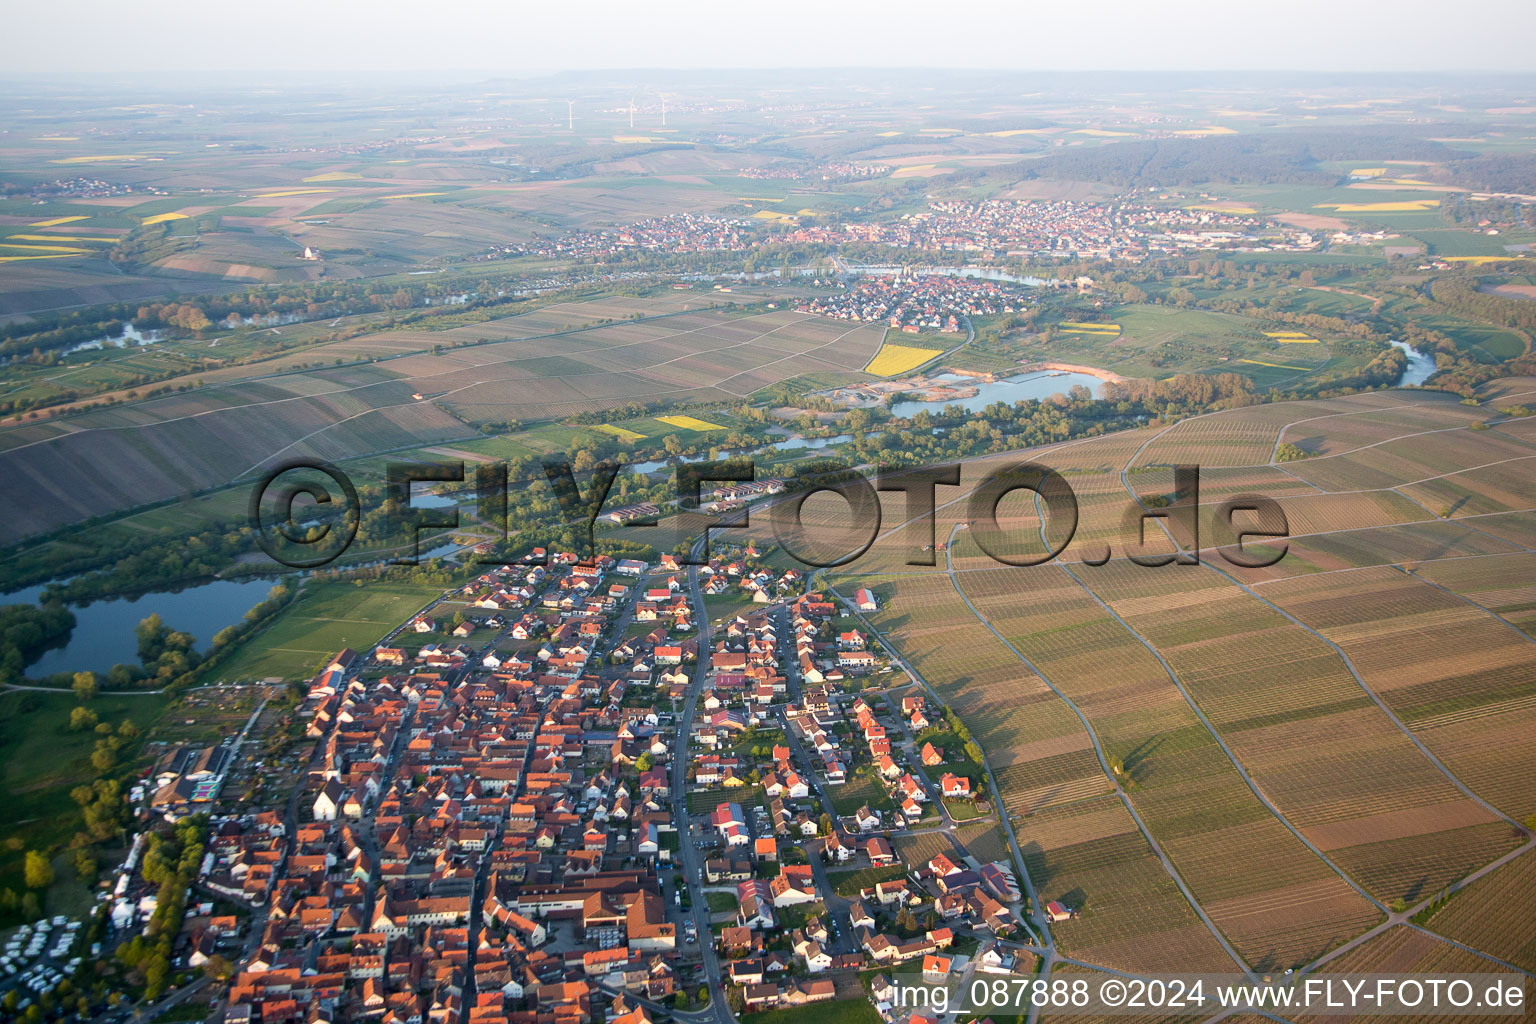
(663, 111)
(570, 115)
(631, 111)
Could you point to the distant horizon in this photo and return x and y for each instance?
(9, 74)
(287, 36)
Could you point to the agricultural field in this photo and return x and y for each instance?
(1072, 973)
(220, 432)
(1091, 856)
(895, 360)
(1407, 951)
(690, 423)
(1448, 668)
(1317, 763)
(1045, 768)
(1281, 912)
(1352, 711)
(1158, 341)
(703, 801)
(1493, 914)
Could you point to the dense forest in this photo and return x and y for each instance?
(1282, 157)
(1462, 295)
(1292, 157)
(28, 630)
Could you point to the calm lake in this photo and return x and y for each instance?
(1040, 384)
(103, 634)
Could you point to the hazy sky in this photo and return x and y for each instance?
(521, 37)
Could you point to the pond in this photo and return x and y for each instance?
(129, 336)
(103, 633)
(1038, 384)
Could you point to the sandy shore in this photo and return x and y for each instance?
(1092, 371)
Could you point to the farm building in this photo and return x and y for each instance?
(1054, 912)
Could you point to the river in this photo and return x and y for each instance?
(974, 273)
(1420, 366)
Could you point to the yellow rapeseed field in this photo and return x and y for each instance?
(626, 434)
(688, 423)
(1475, 260)
(63, 238)
(100, 159)
(1292, 337)
(68, 250)
(1405, 206)
(1277, 366)
(1225, 208)
(55, 222)
(896, 359)
(161, 218)
(294, 192)
(1108, 331)
(333, 176)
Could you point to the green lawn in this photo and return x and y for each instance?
(849, 883)
(1483, 342)
(857, 791)
(41, 760)
(730, 603)
(720, 902)
(1158, 341)
(325, 618)
(794, 917)
(838, 1011)
(706, 800)
(963, 810)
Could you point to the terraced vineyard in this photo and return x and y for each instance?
(422, 388)
(1288, 761)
